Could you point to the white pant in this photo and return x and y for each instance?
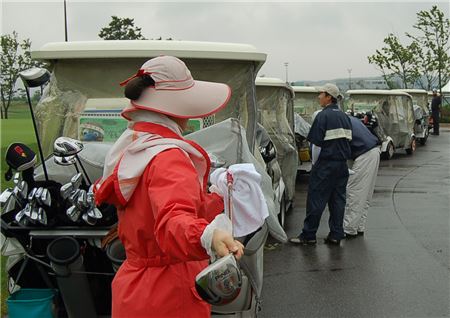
(360, 188)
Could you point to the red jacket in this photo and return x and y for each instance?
(160, 228)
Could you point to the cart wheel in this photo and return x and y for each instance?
(389, 153)
(412, 146)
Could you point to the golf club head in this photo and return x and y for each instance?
(73, 213)
(82, 200)
(65, 146)
(5, 196)
(23, 190)
(34, 213)
(220, 283)
(31, 194)
(19, 216)
(42, 216)
(16, 178)
(95, 213)
(86, 218)
(64, 161)
(74, 196)
(35, 77)
(27, 210)
(66, 190)
(46, 198)
(76, 180)
(37, 195)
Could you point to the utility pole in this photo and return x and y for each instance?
(65, 21)
(286, 64)
(349, 70)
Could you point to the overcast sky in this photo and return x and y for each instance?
(319, 40)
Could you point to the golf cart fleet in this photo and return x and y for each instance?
(83, 101)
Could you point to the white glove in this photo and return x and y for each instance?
(221, 222)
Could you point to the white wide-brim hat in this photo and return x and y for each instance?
(175, 92)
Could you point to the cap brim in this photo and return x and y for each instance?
(200, 100)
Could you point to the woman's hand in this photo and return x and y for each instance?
(223, 243)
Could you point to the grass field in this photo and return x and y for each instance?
(17, 128)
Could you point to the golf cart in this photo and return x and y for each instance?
(81, 102)
(421, 113)
(275, 105)
(389, 115)
(305, 104)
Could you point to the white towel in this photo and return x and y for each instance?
(248, 202)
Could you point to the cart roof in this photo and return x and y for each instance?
(304, 89)
(147, 49)
(412, 91)
(377, 92)
(274, 82)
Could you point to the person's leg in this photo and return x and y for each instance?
(319, 191)
(437, 123)
(372, 162)
(336, 202)
(435, 115)
(354, 199)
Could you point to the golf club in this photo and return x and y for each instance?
(65, 146)
(35, 77)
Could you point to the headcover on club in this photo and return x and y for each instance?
(220, 283)
(19, 157)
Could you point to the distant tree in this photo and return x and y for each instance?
(433, 38)
(16, 57)
(121, 29)
(427, 68)
(396, 59)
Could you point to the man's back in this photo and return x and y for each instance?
(332, 131)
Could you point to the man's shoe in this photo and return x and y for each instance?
(301, 241)
(350, 236)
(331, 241)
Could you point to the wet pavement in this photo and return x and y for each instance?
(400, 268)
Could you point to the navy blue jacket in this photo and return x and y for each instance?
(332, 131)
(362, 139)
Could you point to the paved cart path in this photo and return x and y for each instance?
(400, 268)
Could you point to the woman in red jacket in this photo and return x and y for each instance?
(158, 181)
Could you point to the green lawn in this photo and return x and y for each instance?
(17, 128)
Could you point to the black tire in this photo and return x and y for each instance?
(423, 140)
(412, 146)
(282, 214)
(389, 153)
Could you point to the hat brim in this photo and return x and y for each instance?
(200, 100)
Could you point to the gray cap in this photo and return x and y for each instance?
(331, 89)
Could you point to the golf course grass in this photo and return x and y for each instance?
(17, 128)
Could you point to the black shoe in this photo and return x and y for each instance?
(301, 241)
(360, 233)
(331, 241)
(351, 236)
